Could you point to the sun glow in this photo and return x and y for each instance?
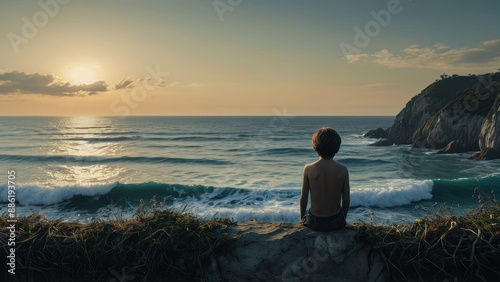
(81, 75)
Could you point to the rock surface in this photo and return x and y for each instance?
(463, 110)
(487, 154)
(376, 133)
(490, 132)
(452, 148)
(291, 252)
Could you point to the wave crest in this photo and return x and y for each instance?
(202, 198)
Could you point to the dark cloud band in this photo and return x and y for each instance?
(16, 82)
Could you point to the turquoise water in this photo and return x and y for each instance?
(239, 167)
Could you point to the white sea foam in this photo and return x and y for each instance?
(41, 195)
(392, 193)
(282, 205)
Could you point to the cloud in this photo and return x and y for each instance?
(125, 83)
(16, 82)
(354, 58)
(148, 81)
(195, 85)
(487, 55)
(441, 46)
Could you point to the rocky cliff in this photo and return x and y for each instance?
(489, 137)
(460, 111)
(291, 252)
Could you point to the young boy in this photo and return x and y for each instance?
(328, 183)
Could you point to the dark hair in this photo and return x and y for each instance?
(326, 142)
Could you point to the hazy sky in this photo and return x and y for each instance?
(236, 57)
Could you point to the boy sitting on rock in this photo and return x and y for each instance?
(328, 183)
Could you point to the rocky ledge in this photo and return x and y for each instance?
(376, 133)
(455, 114)
(291, 252)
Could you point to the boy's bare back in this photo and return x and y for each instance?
(327, 180)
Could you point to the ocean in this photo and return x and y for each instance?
(87, 168)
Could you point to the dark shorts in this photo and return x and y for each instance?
(329, 223)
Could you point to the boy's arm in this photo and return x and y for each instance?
(304, 194)
(346, 195)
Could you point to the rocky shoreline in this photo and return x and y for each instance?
(455, 115)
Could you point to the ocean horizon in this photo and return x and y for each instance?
(239, 167)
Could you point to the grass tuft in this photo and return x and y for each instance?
(441, 246)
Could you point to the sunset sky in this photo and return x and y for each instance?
(236, 57)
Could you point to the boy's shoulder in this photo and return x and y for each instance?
(342, 168)
(334, 164)
(313, 164)
(319, 164)
(340, 165)
(310, 167)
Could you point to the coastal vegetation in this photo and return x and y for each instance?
(157, 244)
(441, 246)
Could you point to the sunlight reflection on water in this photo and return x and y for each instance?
(76, 168)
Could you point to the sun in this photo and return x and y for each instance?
(81, 75)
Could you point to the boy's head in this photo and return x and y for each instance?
(326, 142)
